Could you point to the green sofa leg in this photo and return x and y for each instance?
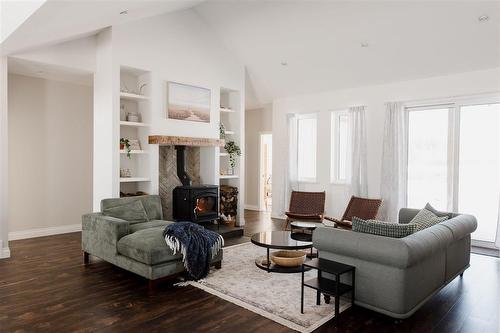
(86, 258)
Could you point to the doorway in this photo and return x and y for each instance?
(265, 171)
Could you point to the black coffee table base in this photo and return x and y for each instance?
(261, 263)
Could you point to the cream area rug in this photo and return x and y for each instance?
(273, 295)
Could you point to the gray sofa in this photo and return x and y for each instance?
(138, 247)
(396, 276)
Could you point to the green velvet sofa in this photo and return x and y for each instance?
(133, 242)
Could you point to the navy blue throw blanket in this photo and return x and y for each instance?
(197, 245)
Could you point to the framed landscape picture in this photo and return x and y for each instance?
(186, 102)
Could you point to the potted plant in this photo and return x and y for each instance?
(233, 150)
(125, 145)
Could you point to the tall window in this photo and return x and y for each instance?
(341, 147)
(454, 161)
(427, 157)
(306, 147)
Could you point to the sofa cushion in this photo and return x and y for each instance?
(387, 229)
(151, 203)
(147, 246)
(132, 211)
(146, 225)
(425, 219)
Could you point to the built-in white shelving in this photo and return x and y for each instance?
(229, 176)
(133, 179)
(133, 124)
(139, 106)
(133, 97)
(232, 119)
(132, 152)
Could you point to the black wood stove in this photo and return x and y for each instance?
(193, 203)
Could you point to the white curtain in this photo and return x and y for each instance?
(359, 186)
(394, 161)
(291, 182)
(497, 242)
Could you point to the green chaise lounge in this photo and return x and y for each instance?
(135, 240)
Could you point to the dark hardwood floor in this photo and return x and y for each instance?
(44, 287)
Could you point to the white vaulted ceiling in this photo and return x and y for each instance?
(321, 41)
(57, 21)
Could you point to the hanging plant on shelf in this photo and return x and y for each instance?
(125, 144)
(222, 130)
(233, 150)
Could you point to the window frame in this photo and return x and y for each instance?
(335, 158)
(298, 118)
(454, 105)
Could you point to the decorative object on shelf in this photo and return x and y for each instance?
(125, 173)
(139, 91)
(125, 145)
(123, 113)
(222, 130)
(228, 203)
(186, 102)
(233, 150)
(133, 116)
(134, 144)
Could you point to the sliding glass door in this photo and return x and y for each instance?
(479, 167)
(454, 161)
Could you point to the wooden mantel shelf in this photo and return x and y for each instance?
(165, 140)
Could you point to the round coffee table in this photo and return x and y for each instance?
(302, 231)
(278, 240)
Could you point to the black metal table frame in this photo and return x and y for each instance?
(327, 295)
(297, 269)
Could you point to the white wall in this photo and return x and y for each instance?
(50, 155)
(373, 97)
(4, 173)
(256, 121)
(181, 47)
(178, 47)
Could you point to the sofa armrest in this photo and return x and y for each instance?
(101, 233)
(461, 225)
(395, 252)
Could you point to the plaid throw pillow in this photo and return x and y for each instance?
(425, 219)
(387, 229)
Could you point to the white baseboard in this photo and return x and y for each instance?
(252, 207)
(278, 217)
(4, 251)
(40, 232)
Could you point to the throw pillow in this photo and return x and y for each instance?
(133, 212)
(381, 228)
(437, 212)
(425, 219)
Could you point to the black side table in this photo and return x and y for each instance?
(326, 286)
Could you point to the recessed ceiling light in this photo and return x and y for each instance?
(365, 44)
(124, 12)
(284, 63)
(483, 18)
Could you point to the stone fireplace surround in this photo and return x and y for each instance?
(168, 179)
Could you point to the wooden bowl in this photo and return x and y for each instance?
(288, 258)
